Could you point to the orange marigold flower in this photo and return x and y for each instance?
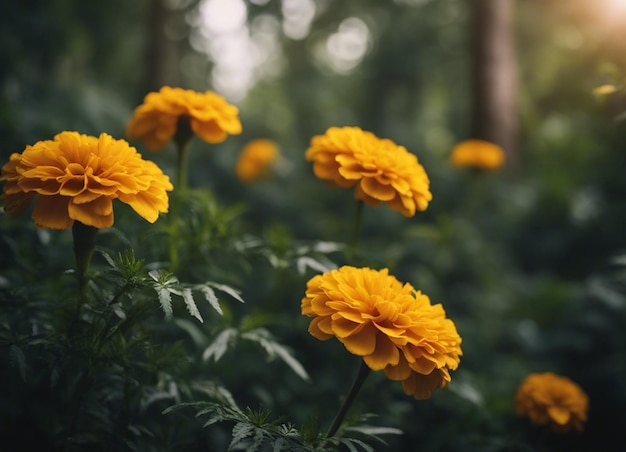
(255, 159)
(553, 400)
(156, 121)
(477, 154)
(391, 325)
(379, 169)
(77, 177)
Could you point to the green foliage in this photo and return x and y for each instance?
(529, 264)
(253, 429)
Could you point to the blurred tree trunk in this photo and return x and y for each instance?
(163, 67)
(494, 72)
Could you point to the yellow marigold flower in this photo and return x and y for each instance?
(77, 177)
(156, 121)
(391, 325)
(379, 169)
(255, 159)
(553, 400)
(477, 154)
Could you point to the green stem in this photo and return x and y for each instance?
(182, 140)
(181, 166)
(356, 229)
(84, 243)
(357, 384)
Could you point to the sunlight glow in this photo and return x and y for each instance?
(617, 6)
(347, 47)
(343, 50)
(240, 53)
(298, 15)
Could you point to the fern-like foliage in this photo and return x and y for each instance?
(254, 431)
(228, 338)
(166, 285)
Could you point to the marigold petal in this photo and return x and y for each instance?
(398, 372)
(385, 354)
(393, 332)
(31, 181)
(424, 366)
(51, 212)
(320, 328)
(86, 196)
(97, 213)
(362, 342)
(144, 204)
(422, 386)
(361, 195)
(17, 203)
(343, 327)
(560, 415)
(371, 187)
(210, 131)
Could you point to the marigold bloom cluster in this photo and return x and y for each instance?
(391, 325)
(76, 178)
(156, 120)
(379, 169)
(477, 154)
(552, 400)
(255, 159)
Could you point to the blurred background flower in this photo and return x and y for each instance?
(379, 169)
(478, 154)
(255, 160)
(552, 400)
(159, 117)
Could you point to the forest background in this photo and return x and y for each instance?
(527, 260)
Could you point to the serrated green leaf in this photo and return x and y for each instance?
(284, 354)
(257, 441)
(213, 420)
(240, 432)
(274, 349)
(109, 259)
(165, 298)
(350, 444)
(304, 262)
(217, 392)
(229, 290)
(372, 430)
(210, 296)
(328, 247)
(191, 304)
(154, 274)
(279, 444)
(219, 345)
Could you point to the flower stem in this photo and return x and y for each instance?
(182, 140)
(357, 384)
(84, 242)
(356, 230)
(181, 167)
